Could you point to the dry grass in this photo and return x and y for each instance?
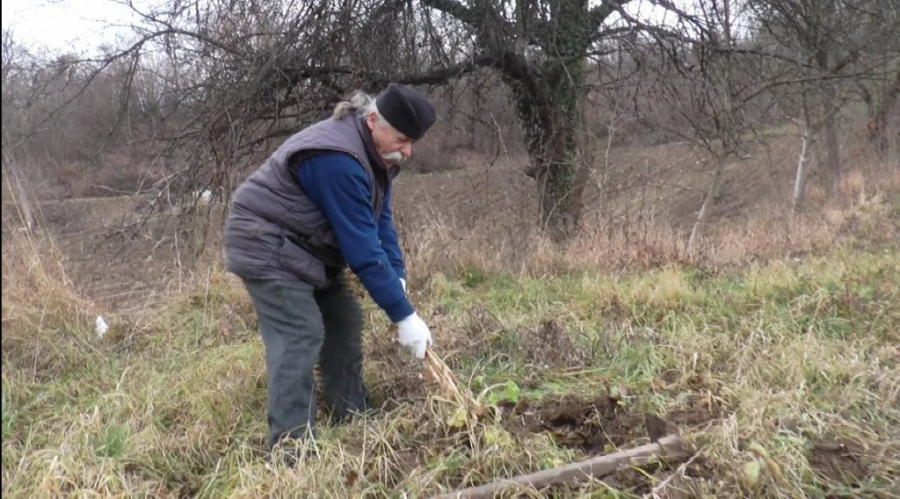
(39, 302)
(507, 239)
(773, 349)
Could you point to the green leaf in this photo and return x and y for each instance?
(512, 391)
(752, 472)
(496, 436)
(550, 462)
(457, 419)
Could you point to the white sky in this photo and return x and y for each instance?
(64, 25)
(83, 25)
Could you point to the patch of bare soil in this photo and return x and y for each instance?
(637, 481)
(398, 389)
(592, 425)
(587, 425)
(698, 411)
(839, 460)
(595, 426)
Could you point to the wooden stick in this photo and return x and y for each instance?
(670, 448)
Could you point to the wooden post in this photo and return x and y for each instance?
(670, 449)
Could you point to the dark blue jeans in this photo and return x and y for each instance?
(302, 327)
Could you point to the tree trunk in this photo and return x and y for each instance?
(803, 167)
(708, 202)
(549, 91)
(832, 146)
(832, 156)
(554, 135)
(560, 212)
(584, 137)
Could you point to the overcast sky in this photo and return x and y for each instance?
(83, 25)
(63, 25)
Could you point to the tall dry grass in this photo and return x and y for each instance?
(45, 322)
(865, 206)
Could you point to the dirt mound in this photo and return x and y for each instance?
(637, 481)
(592, 425)
(600, 426)
(587, 425)
(697, 411)
(839, 460)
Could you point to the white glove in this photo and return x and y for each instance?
(414, 335)
(403, 283)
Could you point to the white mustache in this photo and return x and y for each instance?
(396, 157)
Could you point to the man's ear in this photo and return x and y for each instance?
(371, 120)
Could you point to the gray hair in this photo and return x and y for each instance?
(359, 102)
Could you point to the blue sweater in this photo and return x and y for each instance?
(341, 189)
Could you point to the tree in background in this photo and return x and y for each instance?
(714, 90)
(245, 72)
(204, 89)
(539, 48)
(826, 44)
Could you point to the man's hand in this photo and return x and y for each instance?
(414, 335)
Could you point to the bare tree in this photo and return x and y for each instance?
(714, 87)
(826, 44)
(881, 111)
(216, 82)
(13, 55)
(244, 72)
(539, 49)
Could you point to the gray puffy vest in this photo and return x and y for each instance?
(274, 230)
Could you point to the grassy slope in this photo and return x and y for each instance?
(787, 355)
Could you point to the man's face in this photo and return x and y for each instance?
(393, 146)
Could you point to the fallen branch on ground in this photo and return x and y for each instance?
(669, 449)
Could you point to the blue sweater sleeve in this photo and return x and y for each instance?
(388, 236)
(340, 188)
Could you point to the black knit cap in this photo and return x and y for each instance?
(406, 110)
